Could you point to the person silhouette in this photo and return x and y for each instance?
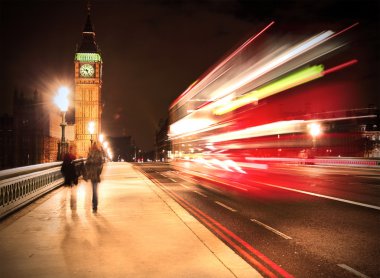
(94, 167)
(68, 168)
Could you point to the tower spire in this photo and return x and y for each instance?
(88, 44)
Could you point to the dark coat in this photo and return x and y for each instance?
(68, 169)
(94, 165)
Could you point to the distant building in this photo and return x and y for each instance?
(29, 118)
(370, 131)
(6, 141)
(31, 136)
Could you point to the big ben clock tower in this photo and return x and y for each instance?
(87, 95)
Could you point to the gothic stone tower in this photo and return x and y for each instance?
(88, 84)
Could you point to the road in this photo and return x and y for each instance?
(289, 220)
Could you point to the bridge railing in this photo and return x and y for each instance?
(20, 186)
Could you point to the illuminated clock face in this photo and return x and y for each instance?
(86, 70)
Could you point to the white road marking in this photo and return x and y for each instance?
(185, 186)
(322, 196)
(172, 180)
(271, 229)
(200, 193)
(225, 206)
(353, 271)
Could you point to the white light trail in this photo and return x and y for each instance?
(279, 60)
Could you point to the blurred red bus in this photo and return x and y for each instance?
(287, 99)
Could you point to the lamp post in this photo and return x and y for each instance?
(91, 129)
(62, 102)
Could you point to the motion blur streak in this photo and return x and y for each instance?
(345, 29)
(285, 83)
(263, 130)
(259, 103)
(189, 125)
(339, 67)
(262, 68)
(200, 81)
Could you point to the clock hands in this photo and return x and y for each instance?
(87, 70)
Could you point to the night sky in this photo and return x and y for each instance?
(152, 50)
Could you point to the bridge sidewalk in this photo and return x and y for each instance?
(139, 231)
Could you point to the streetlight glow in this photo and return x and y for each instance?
(91, 127)
(315, 129)
(105, 144)
(110, 155)
(61, 99)
(101, 138)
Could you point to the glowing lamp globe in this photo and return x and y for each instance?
(91, 127)
(101, 138)
(315, 129)
(61, 99)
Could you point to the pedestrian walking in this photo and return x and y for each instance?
(68, 168)
(93, 168)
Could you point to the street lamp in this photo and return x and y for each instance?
(314, 130)
(91, 129)
(62, 102)
(101, 138)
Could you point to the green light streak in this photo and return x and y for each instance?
(88, 57)
(290, 81)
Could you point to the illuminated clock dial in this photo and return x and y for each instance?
(86, 70)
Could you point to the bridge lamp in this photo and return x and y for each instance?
(62, 102)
